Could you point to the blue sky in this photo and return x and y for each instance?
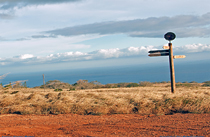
(41, 35)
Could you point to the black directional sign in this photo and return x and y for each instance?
(170, 36)
(154, 51)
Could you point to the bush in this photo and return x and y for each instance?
(71, 88)
(84, 84)
(122, 85)
(206, 84)
(58, 89)
(193, 82)
(8, 86)
(145, 83)
(110, 86)
(56, 84)
(133, 85)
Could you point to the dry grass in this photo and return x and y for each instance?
(156, 99)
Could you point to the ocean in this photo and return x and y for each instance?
(184, 72)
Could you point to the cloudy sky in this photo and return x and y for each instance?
(56, 34)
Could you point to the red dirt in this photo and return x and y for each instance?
(105, 125)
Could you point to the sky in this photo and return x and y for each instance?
(41, 35)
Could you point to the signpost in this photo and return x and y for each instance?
(43, 82)
(171, 63)
(168, 51)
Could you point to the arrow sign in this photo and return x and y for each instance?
(158, 54)
(157, 51)
(165, 47)
(179, 56)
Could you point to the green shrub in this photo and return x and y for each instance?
(206, 84)
(122, 85)
(8, 86)
(72, 88)
(133, 85)
(108, 86)
(58, 89)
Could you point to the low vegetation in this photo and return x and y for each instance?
(94, 98)
(206, 84)
(84, 84)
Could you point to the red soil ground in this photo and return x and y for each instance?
(105, 125)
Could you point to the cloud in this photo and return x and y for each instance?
(26, 56)
(6, 16)
(182, 25)
(101, 54)
(193, 48)
(43, 36)
(43, 45)
(10, 4)
(117, 53)
(76, 56)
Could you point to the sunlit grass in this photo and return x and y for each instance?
(153, 99)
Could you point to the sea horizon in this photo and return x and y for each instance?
(184, 72)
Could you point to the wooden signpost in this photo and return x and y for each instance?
(168, 51)
(43, 82)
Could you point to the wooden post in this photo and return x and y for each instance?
(43, 82)
(172, 73)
